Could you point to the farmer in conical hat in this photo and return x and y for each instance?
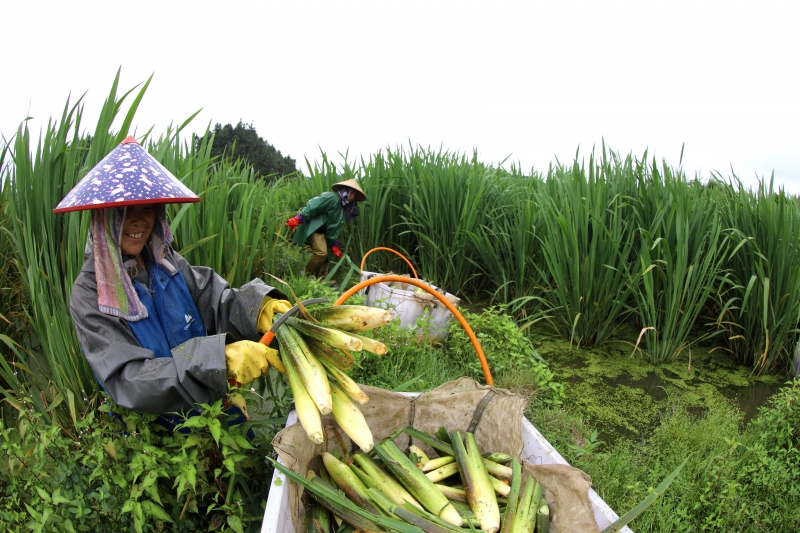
(320, 222)
(152, 327)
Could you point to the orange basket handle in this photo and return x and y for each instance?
(422, 285)
(364, 259)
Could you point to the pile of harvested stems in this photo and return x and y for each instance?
(315, 357)
(460, 490)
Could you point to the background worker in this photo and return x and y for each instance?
(160, 335)
(319, 223)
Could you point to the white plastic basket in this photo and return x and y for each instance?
(535, 450)
(411, 305)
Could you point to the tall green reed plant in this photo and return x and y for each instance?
(14, 327)
(380, 222)
(586, 239)
(449, 199)
(762, 309)
(225, 230)
(11, 296)
(681, 260)
(507, 241)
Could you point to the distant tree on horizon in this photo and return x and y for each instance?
(243, 142)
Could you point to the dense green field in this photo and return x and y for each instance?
(612, 269)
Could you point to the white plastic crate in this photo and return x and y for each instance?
(535, 450)
(277, 518)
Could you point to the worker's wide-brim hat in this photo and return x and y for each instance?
(128, 175)
(361, 196)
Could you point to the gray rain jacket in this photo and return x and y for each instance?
(132, 375)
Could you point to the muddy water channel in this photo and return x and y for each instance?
(625, 396)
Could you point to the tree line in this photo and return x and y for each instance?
(243, 142)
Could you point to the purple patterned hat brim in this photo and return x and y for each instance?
(127, 176)
(126, 203)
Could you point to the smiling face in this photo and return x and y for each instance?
(136, 231)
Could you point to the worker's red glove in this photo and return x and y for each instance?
(336, 251)
(294, 222)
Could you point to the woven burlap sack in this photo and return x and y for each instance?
(493, 415)
(566, 490)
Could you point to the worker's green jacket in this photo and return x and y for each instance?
(325, 209)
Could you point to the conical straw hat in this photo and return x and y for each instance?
(128, 175)
(361, 196)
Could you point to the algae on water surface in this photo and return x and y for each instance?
(624, 395)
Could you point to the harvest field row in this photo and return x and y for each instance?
(583, 250)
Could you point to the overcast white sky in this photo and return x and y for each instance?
(527, 80)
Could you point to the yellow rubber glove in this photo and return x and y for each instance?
(275, 360)
(270, 306)
(246, 361)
